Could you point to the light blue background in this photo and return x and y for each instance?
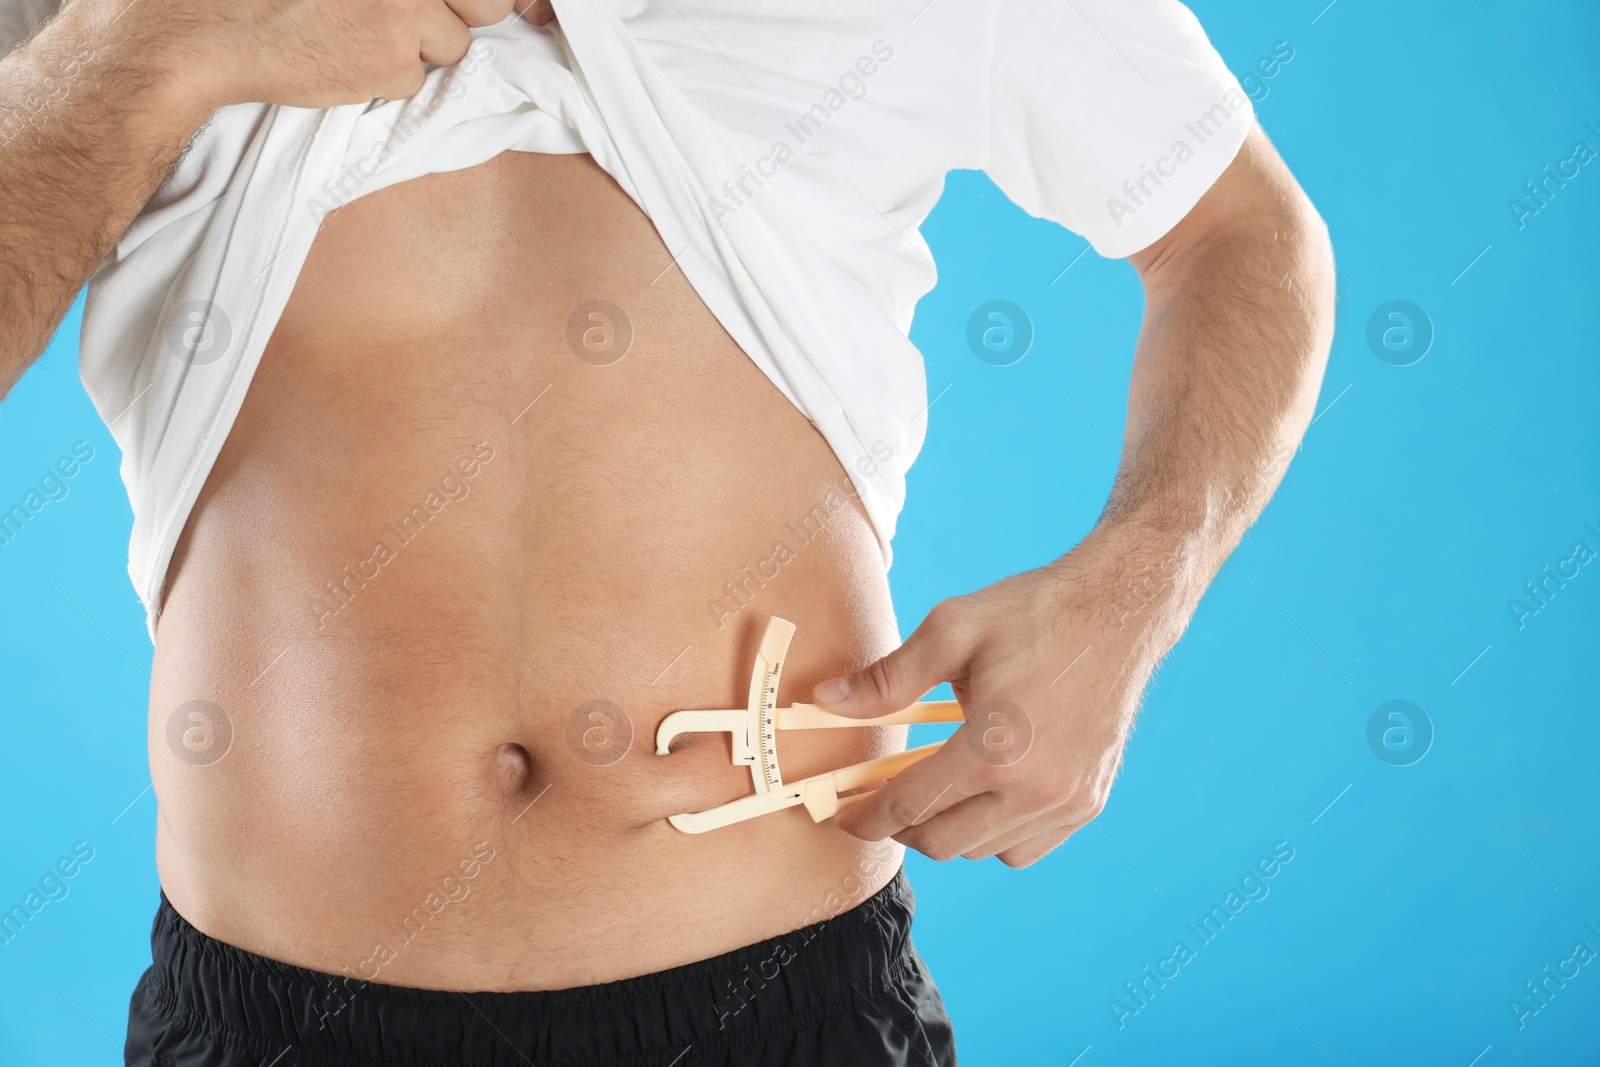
(1423, 499)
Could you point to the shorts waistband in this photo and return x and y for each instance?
(750, 994)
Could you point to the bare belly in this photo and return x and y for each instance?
(430, 615)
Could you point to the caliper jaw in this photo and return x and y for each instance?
(735, 722)
(821, 792)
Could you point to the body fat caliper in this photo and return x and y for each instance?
(755, 744)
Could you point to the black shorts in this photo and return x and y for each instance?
(848, 990)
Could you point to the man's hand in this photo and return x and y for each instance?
(1049, 665)
(95, 109)
(316, 54)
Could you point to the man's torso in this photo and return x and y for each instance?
(406, 589)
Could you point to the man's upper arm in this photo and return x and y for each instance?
(19, 18)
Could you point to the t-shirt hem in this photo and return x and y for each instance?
(1163, 212)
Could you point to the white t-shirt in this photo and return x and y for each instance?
(787, 152)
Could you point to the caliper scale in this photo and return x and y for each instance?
(755, 727)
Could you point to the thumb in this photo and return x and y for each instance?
(896, 681)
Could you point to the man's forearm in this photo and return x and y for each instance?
(1238, 322)
(1051, 664)
(90, 124)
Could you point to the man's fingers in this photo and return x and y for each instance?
(1069, 819)
(898, 679)
(480, 12)
(913, 796)
(1001, 812)
(1036, 848)
(965, 826)
(539, 12)
(445, 38)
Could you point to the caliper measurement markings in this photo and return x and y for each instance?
(769, 725)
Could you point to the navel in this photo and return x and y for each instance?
(514, 767)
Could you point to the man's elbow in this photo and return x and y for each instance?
(1319, 276)
(1312, 230)
(1272, 236)
(1270, 191)
(1254, 225)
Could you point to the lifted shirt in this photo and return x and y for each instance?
(786, 153)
